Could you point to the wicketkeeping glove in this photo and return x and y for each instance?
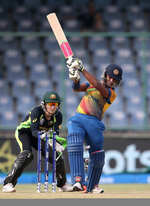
(61, 143)
(59, 147)
(75, 63)
(43, 135)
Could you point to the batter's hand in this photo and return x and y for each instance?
(75, 63)
(74, 74)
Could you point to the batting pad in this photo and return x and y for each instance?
(75, 155)
(95, 169)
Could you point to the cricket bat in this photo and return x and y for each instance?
(59, 34)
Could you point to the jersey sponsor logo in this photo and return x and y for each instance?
(42, 121)
(51, 122)
(43, 128)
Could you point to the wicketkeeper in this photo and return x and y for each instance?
(86, 124)
(44, 117)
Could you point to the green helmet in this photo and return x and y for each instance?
(51, 97)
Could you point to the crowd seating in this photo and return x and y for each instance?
(32, 65)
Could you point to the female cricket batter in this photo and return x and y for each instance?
(41, 118)
(86, 125)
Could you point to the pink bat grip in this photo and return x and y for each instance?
(66, 49)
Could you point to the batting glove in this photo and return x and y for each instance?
(75, 63)
(74, 74)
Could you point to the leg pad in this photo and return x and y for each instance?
(95, 169)
(23, 159)
(75, 155)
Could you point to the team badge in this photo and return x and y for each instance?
(53, 96)
(34, 120)
(116, 71)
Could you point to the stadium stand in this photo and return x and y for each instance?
(32, 65)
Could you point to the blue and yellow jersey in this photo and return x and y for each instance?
(93, 103)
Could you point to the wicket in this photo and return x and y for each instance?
(54, 164)
(46, 167)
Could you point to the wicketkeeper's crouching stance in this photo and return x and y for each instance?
(41, 118)
(86, 124)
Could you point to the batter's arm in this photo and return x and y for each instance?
(96, 83)
(77, 87)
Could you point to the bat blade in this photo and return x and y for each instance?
(59, 34)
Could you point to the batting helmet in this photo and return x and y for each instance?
(114, 71)
(51, 97)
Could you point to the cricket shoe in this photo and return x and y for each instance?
(97, 190)
(8, 188)
(66, 188)
(79, 187)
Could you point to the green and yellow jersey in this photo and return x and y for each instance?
(35, 121)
